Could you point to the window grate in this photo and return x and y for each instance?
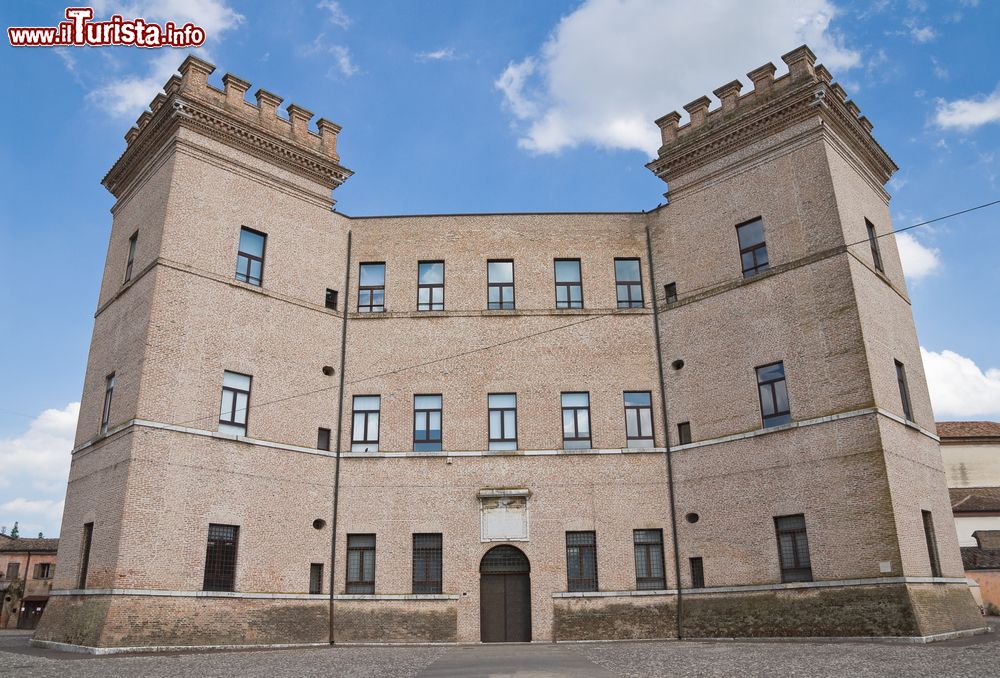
(581, 561)
(670, 292)
(360, 563)
(697, 573)
(649, 571)
(504, 559)
(793, 548)
(316, 578)
(427, 563)
(220, 557)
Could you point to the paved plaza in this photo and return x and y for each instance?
(978, 656)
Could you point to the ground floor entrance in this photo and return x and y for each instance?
(504, 596)
(30, 613)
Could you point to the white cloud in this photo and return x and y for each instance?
(919, 261)
(126, 95)
(35, 466)
(959, 388)
(215, 16)
(967, 114)
(130, 95)
(922, 34)
(336, 13)
(444, 54)
(611, 67)
(342, 60)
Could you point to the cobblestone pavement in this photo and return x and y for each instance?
(979, 656)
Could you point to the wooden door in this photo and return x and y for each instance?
(504, 596)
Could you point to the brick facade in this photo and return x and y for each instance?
(204, 163)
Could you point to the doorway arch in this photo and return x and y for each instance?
(504, 596)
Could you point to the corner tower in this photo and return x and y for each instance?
(810, 469)
(219, 204)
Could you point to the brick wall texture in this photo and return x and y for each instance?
(859, 474)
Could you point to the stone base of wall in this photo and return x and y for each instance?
(140, 621)
(614, 617)
(903, 610)
(136, 621)
(402, 621)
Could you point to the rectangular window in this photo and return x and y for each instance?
(331, 299)
(109, 391)
(323, 439)
(628, 279)
(932, 549)
(430, 286)
(13, 570)
(753, 249)
(426, 423)
(500, 285)
(502, 409)
(131, 257)
(44, 570)
(361, 563)
(220, 558)
(427, 561)
(364, 433)
(649, 572)
(235, 403)
(88, 537)
(638, 419)
(697, 573)
(670, 292)
(774, 408)
(371, 290)
(569, 288)
(581, 561)
(576, 421)
(873, 241)
(250, 259)
(793, 548)
(904, 390)
(316, 578)
(684, 432)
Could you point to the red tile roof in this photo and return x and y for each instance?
(20, 544)
(968, 429)
(975, 499)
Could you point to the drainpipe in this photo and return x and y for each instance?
(340, 425)
(666, 427)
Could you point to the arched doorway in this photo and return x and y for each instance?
(504, 596)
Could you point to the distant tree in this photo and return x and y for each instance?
(40, 535)
(14, 531)
(3, 529)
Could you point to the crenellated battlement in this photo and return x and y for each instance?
(806, 90)
(226, 115)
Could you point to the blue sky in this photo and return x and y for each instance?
(476, 107)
